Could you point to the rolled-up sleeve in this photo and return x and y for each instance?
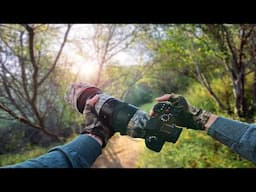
(239, 136)
(79, 153)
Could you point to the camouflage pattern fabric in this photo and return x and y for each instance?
(74, 91)
(94, 126)
(92, 123)
(137, 124)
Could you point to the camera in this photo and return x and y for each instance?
(128, 119)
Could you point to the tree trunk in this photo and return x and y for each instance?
(254, 93)
(238, 90)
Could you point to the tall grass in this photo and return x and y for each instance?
(29, 152)
(9, 159)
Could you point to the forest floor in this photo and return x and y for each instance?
(120, 152)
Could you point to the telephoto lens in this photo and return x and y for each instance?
(123, 117)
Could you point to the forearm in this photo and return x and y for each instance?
(79, 153)
(240, 137)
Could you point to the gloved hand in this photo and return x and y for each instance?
(183, 114)
(93, 125)
(73, 93)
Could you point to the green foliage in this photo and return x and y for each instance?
(198, 96)
(146, 107)
(164, 79)
(121, 79)
(139, 95)
(203, 52)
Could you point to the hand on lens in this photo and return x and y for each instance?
(92, 124)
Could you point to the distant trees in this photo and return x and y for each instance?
(214, 51)
(109, 40)
(237, 45)
(28, 57)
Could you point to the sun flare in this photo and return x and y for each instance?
(83, 68)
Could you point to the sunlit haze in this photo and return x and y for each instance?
(82, 67)
(80, 54)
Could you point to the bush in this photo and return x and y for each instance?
(139, 95)
(16, 136)
(198, 96)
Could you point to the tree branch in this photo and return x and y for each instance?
(57, 57)
(230, 46)
(8, 92)
(20, 118)
(31, 36)
(22, 67)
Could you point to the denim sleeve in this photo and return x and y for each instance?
(239, 136)
(79, 153)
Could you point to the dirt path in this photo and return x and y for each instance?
(120, 152)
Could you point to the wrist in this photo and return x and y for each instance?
(199, 118)
(95, 137)
(210, 121)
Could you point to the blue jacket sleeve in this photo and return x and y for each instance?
(79, 153)
(240, 137)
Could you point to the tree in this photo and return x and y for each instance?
(109, 40)
(207, 52)
(99, 44)
(237, 43)
(26, 65)
(121, 79)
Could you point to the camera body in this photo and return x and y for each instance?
(129, 119)
(160, 127)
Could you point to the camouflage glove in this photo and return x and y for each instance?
(94, 126)
(74, 92)
(183, 114)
